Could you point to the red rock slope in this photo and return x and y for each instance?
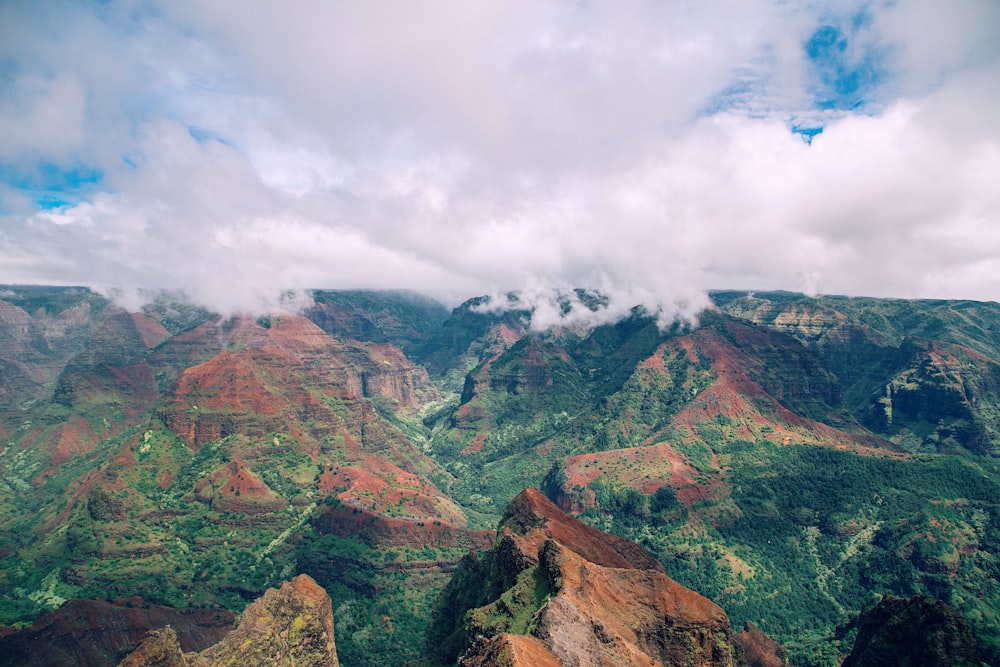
(577, 596)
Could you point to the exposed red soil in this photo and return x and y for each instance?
(73, 437)
(227, 383)
(77, 492)
(475, 446)
(593, 545)
(611, 602)
(758, 649)
(510, 651)
(164, 479)
(221, 397)
(379, 486)
(151, 331)
(469, 416)
(383, 353)
(235, 488)
(507, 334)
(299, 333)
(645, 469)
(16, 328)
(137, 387)
(660, 463)
(753, 413)
(277, 378)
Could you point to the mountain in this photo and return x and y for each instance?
(404, 319)
(738, 454)
(924, 374)
(187, 468)
(560, 592)
(291, 625)
(793, 459)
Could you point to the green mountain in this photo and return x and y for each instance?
(793, 459)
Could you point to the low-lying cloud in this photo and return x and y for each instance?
(650, 150)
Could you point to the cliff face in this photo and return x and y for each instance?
(918, 373)
(158, 649)
(913, 631)
(563, 593)
(292, 625)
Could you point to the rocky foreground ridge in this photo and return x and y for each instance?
(292, 625)
(559, 592)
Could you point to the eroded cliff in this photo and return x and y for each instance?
(560, 592)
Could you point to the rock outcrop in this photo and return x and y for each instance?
(563, 593)
(911, 632)
(159, 649)
(292, 625)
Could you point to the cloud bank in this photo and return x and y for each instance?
(653, 150)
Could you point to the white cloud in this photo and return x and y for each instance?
(41, 116)
(643, 148)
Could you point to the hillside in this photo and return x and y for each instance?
(791, 458)
(559, 592)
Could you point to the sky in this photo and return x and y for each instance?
(650, 149)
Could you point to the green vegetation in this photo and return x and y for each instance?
(818, 534)
(382, 598)
(690, 443)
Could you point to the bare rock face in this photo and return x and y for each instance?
(508, 650)
(563, 593)
(159, 649)
(292, 625)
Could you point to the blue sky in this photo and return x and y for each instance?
(654, 150)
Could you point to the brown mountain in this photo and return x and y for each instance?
(285, 384)
(40, 331)
(563, 593)
(924, 374)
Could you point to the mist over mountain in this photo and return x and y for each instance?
(653, 151)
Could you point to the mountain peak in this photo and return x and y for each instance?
(564, 593)
(535, 518)
(290, 625)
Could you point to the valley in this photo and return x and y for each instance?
(791, 459)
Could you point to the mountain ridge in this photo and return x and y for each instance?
(790, 457)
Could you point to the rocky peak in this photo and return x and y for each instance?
(563, 593)
(160, 648)
(532, 519)
(292, 625)
(755, 649)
